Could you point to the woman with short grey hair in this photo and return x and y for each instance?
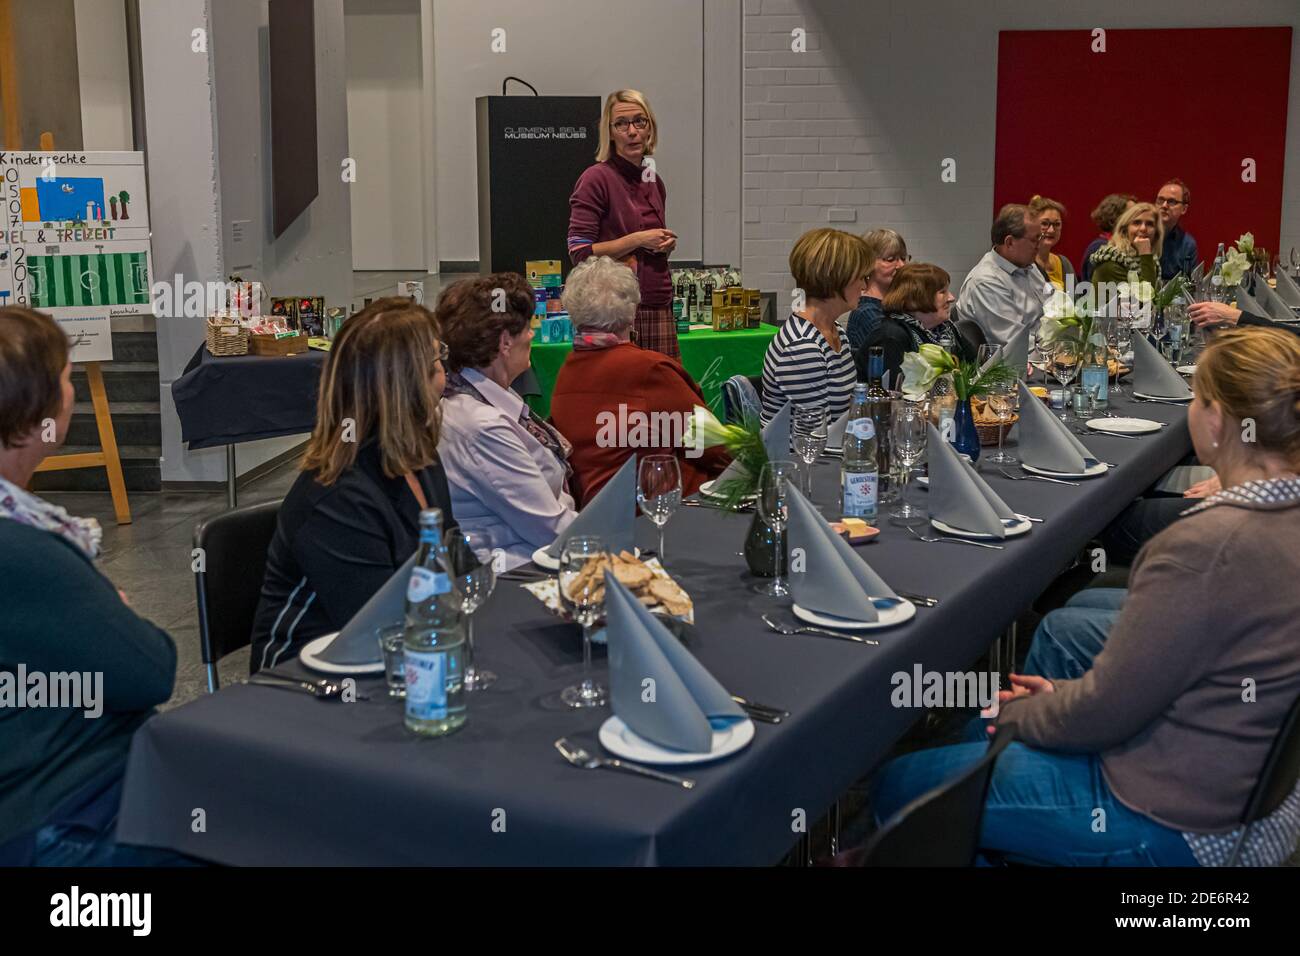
(608, 378)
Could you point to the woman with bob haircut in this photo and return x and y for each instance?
(918, 309)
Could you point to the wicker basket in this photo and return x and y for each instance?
(226, 337)
(989, 433)
(271, 345)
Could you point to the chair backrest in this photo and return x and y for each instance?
(229, 584)
(941, 827)
(740, 399)
(1281, 769)
(972, 334)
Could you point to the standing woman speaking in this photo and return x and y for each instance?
(617, 210)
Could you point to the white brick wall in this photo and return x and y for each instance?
(886, 90)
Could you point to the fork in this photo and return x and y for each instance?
(587, 761)
(1055, 481)
(935, 539)
(804, 629)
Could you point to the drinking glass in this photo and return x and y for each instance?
(773, 507)
(1040, 356)
(1065, 365)
(391, 637)
(908, 430)
(474, 576)
(1003, 401)
(983, 354)
(582, 594)
(659, 491)
(808, 428)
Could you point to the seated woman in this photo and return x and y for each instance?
(1104, 218)
(1134, 247)
(887, 252)
(606, 379)
(61, 771)
(1051, 219)
(918, 309)
(809, 362)
(1133, 705)
(351, 518)
(509, 470)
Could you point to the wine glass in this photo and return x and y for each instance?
(773, 507)
(1003, 401)
(659, 491)
(1040, 356)
(582, 593)
(473, 578)
(908, 430)
(808, 428)
(984, 354)
(1065, 365)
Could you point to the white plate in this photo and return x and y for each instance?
(903, 611)
(1163, 398)
(619, 739)
(1013, 530)
(1185, 369)
(1099, 468)
(707, 489)
(548, 563)
(1124, 426)
(309, 659)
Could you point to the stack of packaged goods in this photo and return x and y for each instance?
(713, 297)
(550, 321)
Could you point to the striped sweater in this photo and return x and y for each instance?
(802, 368)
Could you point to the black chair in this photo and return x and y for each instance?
(229, 580)
(939, 828)
(1276, 780)
(971, 334)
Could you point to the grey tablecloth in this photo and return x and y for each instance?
(284, 779)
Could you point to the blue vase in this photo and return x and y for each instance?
(965, 438)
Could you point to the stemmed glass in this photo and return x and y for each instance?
(473, 578)
(773, 507)
(1040, 356)
(659, 491)
(582, 594)
(908, 430)
(1065, 365)
(1003, 401)
(808, 428)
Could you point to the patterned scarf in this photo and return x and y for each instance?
(545, 433)
(587, 339)
(1108, 253)
(24, 507)
(1261, 491)
(923, 336)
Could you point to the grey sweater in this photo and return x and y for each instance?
(1212, 619)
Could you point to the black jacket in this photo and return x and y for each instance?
(333, 549)
(894, 336)
(1249, 318)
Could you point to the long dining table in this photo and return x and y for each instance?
(253, 775)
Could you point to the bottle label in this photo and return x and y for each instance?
(425, 583)
(1098, 377)
(860, 491)
(426, 684)
(1216, 279)
(862, 428)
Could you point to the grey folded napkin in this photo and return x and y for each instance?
(1181, 477)
(1045, 442)
(677, 709)
(1248, 303)
(1198, 273)
(357, 642)
(1016, 351)
(776, 439)
(959, 496)
(1152, 375)
(826, 574)
(835, 430)
(1287, 290)
(611, 515)
(1273, 305)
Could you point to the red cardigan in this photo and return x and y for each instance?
(593, 381)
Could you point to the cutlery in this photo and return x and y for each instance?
(1088, 432)
(695, 503)
(323, 689)
(1055, 481)
(1030, 518)
(804, 629)
(1160, 401)
(761, 712)
(920, 600)
(935, 539)
(587, 761)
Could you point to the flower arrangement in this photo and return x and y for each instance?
(1065, 320)
(744, 442)
(922, 368)
(1237, 261)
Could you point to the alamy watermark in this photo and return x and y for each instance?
(634, 428)
(70, 690)
(961, 689)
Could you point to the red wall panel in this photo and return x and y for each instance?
(1075, 125)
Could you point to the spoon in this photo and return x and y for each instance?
(587, 761)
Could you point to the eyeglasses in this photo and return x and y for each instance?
(1165, 201)
(622, 124)
(443, 353)
(1045, 226)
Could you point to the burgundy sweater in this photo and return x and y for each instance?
(611, 200)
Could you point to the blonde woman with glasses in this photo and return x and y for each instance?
(617, 210)
(1134, 247)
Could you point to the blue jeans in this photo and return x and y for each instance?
(1045, 807)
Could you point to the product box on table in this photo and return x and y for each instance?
(556, 328)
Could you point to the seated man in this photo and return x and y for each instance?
(1004, 292)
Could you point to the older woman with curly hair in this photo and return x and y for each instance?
(509, 470)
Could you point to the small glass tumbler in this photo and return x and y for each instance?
(390, 642)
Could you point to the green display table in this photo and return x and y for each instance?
(711, 358)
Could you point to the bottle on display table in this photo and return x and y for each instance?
(859, 471)
(882, 410)
(434, 638)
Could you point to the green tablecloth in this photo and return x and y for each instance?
(711, 358)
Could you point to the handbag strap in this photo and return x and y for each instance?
(417, 491)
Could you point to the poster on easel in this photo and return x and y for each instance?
(76, 241)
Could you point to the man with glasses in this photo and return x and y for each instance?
(1179, 253)
(1004, 292)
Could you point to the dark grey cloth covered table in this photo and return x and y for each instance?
(284, 779)
(239, 398)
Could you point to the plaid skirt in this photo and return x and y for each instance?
(656, 329)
